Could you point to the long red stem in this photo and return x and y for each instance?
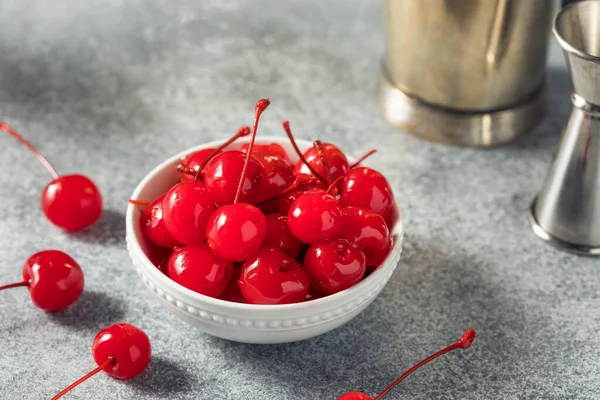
(258, 110)
(8, 129)
(243, 131)
(105, 364)
(321, 152)
(12, 285)
(363, 158)
(288, 131)
(463, 343)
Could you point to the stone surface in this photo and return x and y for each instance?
(111, 88)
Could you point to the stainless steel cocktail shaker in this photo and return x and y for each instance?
(465, 72)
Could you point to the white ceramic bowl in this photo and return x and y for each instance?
(248, 323)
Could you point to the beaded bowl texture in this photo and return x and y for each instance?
(249, 323)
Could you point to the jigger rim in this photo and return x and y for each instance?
(563, 43)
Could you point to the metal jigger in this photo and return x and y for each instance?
(566, 211)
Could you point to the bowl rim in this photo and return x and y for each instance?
(133, 241)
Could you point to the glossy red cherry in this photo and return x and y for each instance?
(366, 188)
(128, 346)
(279, 174)
(271, 148)
(71, 202)
(463, 343)
(286, 201)
(197, 268)
(336, 160)
(355, 396)
(279, 235)
(315, 217)
(335, 265)
(123, 351)
(236, 232)
(369, 231)
(273, 277)
(222, 175)
(153, 225)
(185, 211)
(53, 278)
(191, 164)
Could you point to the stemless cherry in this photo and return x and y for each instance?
(279, 235)
(335, 265)
(122, 350)
(185, 210)
(71, 202)
(463, 343)
(336, 160)
(222, 175)
(279, 174)
(315, 217)
(369, 231)
(53, 278)
(236, 231)
(364, 187)
(197, 268)
(271, 148)
(153, 225)
(273, 277)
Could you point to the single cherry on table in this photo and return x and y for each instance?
(122, 350)
(463, 343)
(53, 278)
(71, 202)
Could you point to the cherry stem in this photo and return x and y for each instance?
(139, 202)
(258, 110)
(8, 129)
(12, 285)
(110, 360)
(288, 131)
(321, 151)
(334, 184)
(463, 343)
(243, 131)
(363, 158)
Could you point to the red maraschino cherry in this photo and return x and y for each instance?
(53, 278)
(315, 217)
(273, 277)
(335, 265)
(185, 210)
(279, 174)
(236, 231)
(337, 164)
(271, 148)
(153, 225)
(368, 230)
(222, 176)
(123, 351)
(279, 235)
(71, 202)
(197, 268)
(463, 343)
(366, 188)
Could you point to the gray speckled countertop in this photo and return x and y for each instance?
(111, 88)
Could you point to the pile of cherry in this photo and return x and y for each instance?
(239, 221)
(247, 225)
